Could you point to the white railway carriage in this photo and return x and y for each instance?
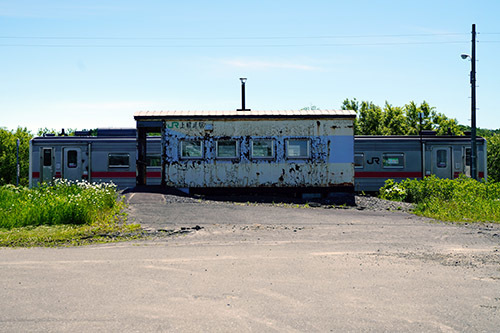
(108, 157)
(378, 158)
(207, 151)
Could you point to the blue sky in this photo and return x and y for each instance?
(88, 64)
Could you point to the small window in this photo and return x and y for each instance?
(227, 148)
(467, 156)
(359, 160)
(441, 158)
(191, 149)
(297, 148)
(72, 158)
(153, 160)
(393, 160)
(263, 148)
(47, 157)
(118, 160)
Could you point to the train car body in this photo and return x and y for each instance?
(310, 154)
(108, 157)
(378, 158)
(256, 149)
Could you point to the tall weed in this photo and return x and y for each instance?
(65, 202)
(462, 199)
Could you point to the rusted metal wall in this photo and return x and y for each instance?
(330, 163)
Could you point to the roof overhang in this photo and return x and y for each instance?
(293, 114)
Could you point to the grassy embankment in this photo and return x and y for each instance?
(456, 200)
(66, 213)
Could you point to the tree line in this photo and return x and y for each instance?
(408, 119)
(371, 120)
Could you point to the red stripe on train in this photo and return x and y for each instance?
(153, 174)
(106, 174)
(386, 174)
(113, 174)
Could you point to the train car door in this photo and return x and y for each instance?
(441, 164)
(72, 160)
(47, 160)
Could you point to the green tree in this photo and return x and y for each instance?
(309, 108)
(352, 104)
(493, 153)
(370, 119)
(412, 113)
(445, 125)
(8, 161)
(394, 122)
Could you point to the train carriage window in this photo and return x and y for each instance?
(72, 159)
(393, 160)
(118, 160)
(262, 148)
(226, 149)
(153, 160)
(191, 149)
(47, 157)
(441, 158)
(298, 148)
(359, 160)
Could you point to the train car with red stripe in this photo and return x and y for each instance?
(111, 156)
(108, 157)
(378, 158)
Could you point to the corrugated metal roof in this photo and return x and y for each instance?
(151, 115)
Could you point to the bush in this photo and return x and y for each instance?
(462, 199)
(65, 202)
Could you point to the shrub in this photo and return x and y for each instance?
(65, 202)
(462, 199)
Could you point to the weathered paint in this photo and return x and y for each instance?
(330, 162)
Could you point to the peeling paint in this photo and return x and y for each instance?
(326, 165)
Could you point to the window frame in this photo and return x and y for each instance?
(75, 165)
(439, 156)
(273, 149)
(181, 150)
(237, 152)
(148, 160)
(362, 166)
(47, 158)
(300, 157)
(384, 166)
(118, 165)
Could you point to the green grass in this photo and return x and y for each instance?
(456, 200)
(66, 213)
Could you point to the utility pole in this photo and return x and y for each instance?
(473, 157)
(422, 166)
(18, 168)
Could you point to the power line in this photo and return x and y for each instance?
(229, 38)
(226, 46)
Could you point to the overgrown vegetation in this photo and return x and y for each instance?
(63, 213)
(458, 200)
(8, 147)
(399, 120)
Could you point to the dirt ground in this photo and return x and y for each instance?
(223, 266)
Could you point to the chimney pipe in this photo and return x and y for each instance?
(243, 80)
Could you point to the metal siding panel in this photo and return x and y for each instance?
(318, 170)
(341, 149)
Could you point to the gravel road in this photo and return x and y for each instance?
(266, 267)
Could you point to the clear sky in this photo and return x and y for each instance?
(88, 64)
